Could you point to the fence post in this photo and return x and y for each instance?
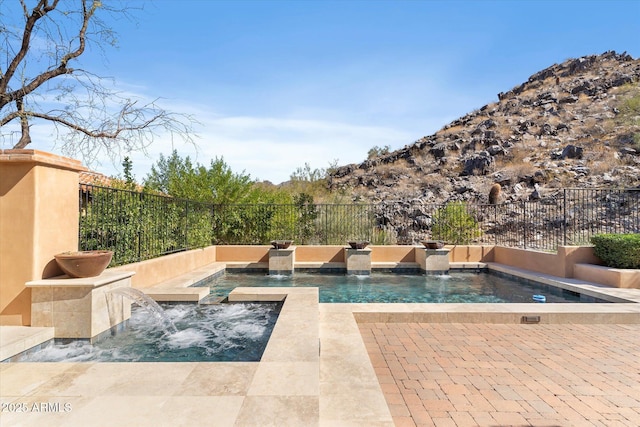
(495, 224)
(139, 225)
(326, 224)
(186, 224)
(211, 230)
(564, 217)
(524, 216)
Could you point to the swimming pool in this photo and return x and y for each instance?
(458, 287)
(203, 333)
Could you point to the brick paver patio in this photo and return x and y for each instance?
(452, 374)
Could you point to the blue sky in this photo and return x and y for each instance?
(277, 84)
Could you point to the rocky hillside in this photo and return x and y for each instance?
(561, 128)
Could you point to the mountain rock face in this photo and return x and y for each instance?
(560, 129)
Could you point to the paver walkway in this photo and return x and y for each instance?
(453, 374)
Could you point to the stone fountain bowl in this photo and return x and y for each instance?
(358, 244)
(433, 244)
(281, 244)
(83, 263)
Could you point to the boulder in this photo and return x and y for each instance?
(494, 150)
(547, 129)
(572, 152)
(535, 195)
(439, 150)
(478, 164)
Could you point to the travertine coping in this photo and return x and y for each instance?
(326, 340)
(18, 339)
(624, 307)
(177, 294)
(308, 375)
(350, 394)
(246, 265)
(82, 307)
(182, 289)
(289, 367)
(616, 313)
(190, 278)
(292, 385)
(105, 278)
(577, 285)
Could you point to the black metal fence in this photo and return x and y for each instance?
(569, 218)
(305, 224)
(138, 226)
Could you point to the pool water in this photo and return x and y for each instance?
(214, 333)
(458, 287)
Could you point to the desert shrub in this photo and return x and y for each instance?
(629, 112)
(384, 236)
(376, 151)
(630, 109)
(307, 213)
(338, 224)
(455, 224)
(618, 250)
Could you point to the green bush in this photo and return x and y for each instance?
(618, 250)
(455, 224)
(629, 112)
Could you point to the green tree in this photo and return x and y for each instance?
(179, 177)
(129, 179)
(140, 225)
(241, 210)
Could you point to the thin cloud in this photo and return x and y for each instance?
(272, 148)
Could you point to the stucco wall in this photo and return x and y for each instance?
(320, 254)
(470, 253)
(154, 271)
(393, 253)
(560, 264)
(38, 219)
(616, 277)
(243, 253)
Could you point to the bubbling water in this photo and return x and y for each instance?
(222, 332)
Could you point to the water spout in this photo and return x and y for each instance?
(144, 301)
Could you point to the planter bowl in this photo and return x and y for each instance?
(433, 244)
(281, 244)
(83, 263)
(361, 244)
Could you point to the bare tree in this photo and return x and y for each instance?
(41, 44)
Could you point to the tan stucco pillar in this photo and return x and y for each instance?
(38, 219)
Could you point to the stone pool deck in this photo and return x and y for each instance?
(367, 365)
